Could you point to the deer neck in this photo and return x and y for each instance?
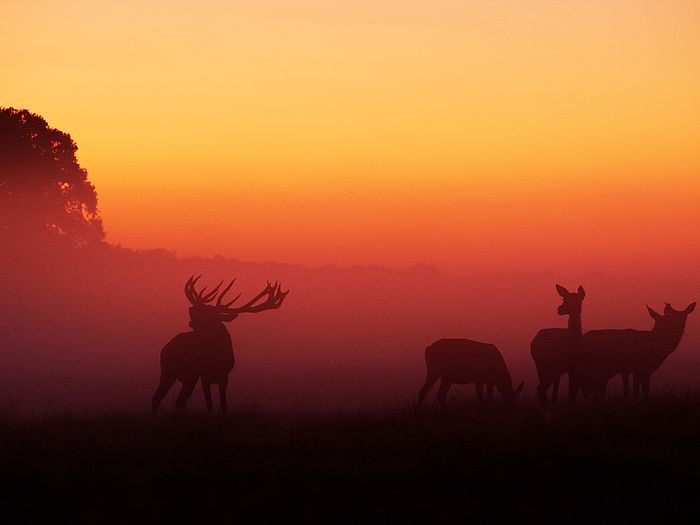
(207, 326)
(669, 341)
(575, 325)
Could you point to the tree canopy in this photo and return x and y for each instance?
(42, 186)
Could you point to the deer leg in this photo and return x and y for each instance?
(601, 391)
(223, 384)
(489, 391)
(625, 385)
(166, 382)
(573, 386)
(479, 390)
(187, 388)
(587, 383)
(555, 388)
(429, 382)
(645, 387)
(635, 385)
(442, 391)
(206, 388)
(545, 381)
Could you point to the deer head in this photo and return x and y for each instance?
(659, 320)
(510, 395)
(516, 392)
(572, 301)
(671, 324)
(202, 311)
(672, 313)
(677, 318)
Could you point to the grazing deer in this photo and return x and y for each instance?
(555, 350)
(462, 361)
(206, 351)
(606, 353)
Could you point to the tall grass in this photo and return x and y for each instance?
(467, 463)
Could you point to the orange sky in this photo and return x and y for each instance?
(466, 134)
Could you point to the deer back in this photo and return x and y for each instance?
(465, 361)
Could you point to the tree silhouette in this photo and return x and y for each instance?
(42, 186)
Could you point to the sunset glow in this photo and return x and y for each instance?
(470, 135)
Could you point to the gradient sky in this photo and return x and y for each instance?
(470, 135)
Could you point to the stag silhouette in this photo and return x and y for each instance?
(463, 361)
(206, 351)
(555, 350)
(605, 353)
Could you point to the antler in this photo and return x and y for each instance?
(200, 297)
(274, 299)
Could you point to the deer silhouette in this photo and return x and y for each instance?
(605, 353)
(463, 361)
(555, 350)
(206, 351)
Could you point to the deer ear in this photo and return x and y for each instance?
(562, 291)
(690, 308)
(655, 316)
(581, 292)
(519, 389)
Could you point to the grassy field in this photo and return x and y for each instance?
(469, 463)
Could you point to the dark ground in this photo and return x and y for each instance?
(469, 464)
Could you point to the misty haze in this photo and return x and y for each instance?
(365, 262)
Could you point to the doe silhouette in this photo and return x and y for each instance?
(605, 353)
(206, 351)
(555, 350)
(463, 361)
